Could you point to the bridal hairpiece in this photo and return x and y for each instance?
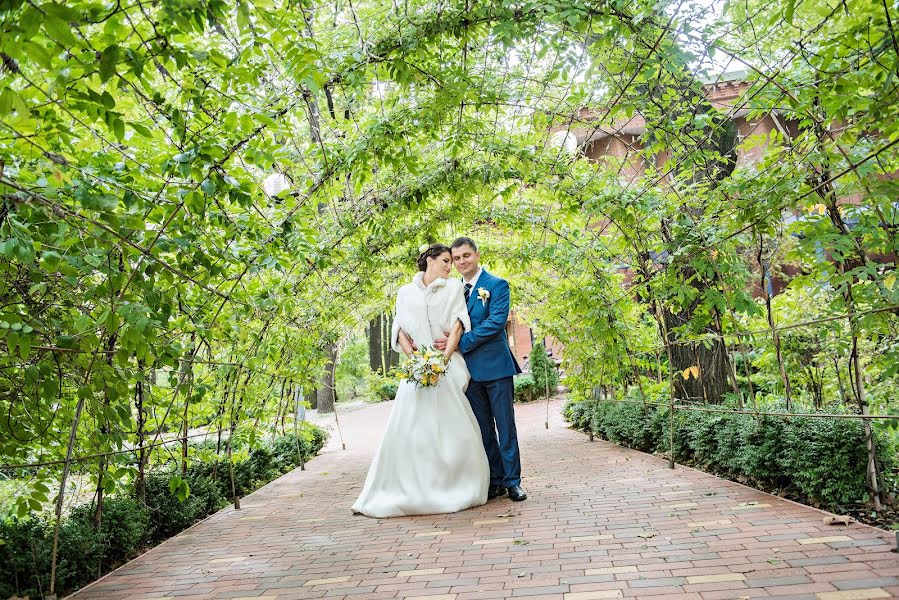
(423, 248)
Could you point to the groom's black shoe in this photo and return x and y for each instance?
(495, 491)
(516, 494)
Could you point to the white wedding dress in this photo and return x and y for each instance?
(431, 459)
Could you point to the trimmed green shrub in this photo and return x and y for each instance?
(284, 447)
(629, 426)
(25, 556)
(130, 523)
(827, 458)
(168, 515)
(579, 413)
(80, 553)
(84, 552)
(525, 388)
(382, 388)
(124, 526)
(822, 460)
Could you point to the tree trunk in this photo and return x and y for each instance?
(712, 383)
(715, 158)
(381, 357)
(391, 358)
(375, 346)
(326, 390)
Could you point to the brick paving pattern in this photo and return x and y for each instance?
(601, 522)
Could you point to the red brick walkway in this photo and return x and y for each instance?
(601, 522)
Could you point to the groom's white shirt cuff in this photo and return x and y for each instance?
(474, 280)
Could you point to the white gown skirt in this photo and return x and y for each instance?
(431, 459)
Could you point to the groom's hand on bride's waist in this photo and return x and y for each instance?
(440, 343)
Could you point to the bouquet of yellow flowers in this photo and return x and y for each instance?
(424, 368)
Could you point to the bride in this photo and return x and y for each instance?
(431, 459)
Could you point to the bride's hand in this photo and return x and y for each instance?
(446, 358)
(406, 343)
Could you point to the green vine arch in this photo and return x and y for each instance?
(138, 243)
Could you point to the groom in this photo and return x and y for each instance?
(492, 366)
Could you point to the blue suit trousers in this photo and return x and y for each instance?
(491, 402)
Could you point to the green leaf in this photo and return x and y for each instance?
(108, 60)
(118, 128)
(93, 260)
(66, 341)
(6, 101)
(50, 260)
(124, 418)
(29, 20)
(112, 321)
(196, 202)
(144, 131)
(108, 100)
(179, 488)
(24, 346)
(19, 106)
(208, 186)
(42, 56)
(100, 202)
(788, 11)
(58, 30)
(243, 16)
(12, 342)
(8, 247)
(60, 11)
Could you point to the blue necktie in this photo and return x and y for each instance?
(467, 291)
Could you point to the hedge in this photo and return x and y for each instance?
(131, 524)
(822, 461)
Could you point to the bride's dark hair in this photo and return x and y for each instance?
(433, 251)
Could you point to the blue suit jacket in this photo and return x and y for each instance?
(486, 347)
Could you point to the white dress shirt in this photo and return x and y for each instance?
(474, 280)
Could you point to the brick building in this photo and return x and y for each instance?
(521, 341)
(623, 140)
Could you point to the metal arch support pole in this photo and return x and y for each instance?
(297, 396)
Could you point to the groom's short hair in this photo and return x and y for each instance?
(463, 241)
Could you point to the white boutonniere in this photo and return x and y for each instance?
(484, 295)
